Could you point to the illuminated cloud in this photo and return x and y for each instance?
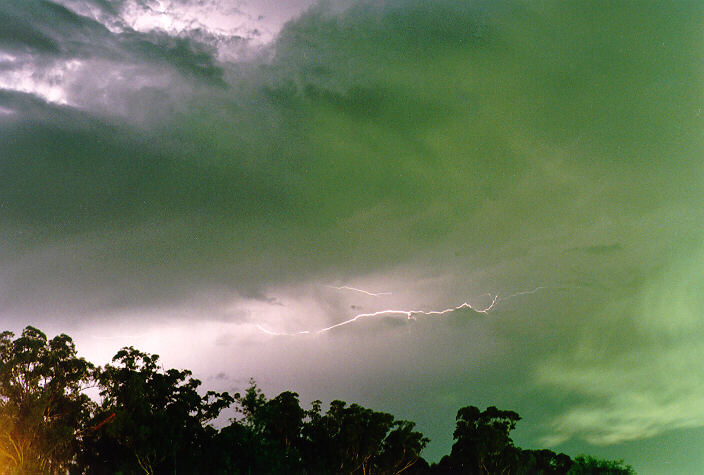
(176, 174)
(637, 383)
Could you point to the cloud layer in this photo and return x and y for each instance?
(165, 164)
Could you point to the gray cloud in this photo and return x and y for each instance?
(435, 151)
(598, 249)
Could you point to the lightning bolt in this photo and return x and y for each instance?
(523, 292)
(410, 314)
(271, 332)
(346, 287)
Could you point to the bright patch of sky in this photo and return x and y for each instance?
(180, 174)
(50, 83)
(258, 22)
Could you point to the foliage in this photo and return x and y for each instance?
(152, 420)
(401, 448)
(353, 439)
(42, 408)
(543, 461)
(278, 436)
(586, 464)
(482, 441)
(266, 439)
(483, 446)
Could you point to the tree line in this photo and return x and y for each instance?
(151, 420)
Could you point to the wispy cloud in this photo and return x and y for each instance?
(221, 162)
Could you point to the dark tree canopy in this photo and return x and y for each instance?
(278, 436)
(482, 440)
(150, 420)
(586, 464)
(354, 439)
(543, 461)
(42, 408)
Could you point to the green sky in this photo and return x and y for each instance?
(181, 184)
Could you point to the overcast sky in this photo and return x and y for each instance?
(217, 181)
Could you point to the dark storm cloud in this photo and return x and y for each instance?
(69, 174)
(435, 150)
(94, 186)
(598, 249)
(191, 58)
(43, 27)
(51, 46)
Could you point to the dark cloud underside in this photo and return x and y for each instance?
(433, 149)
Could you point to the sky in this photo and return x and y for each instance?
(246, 187)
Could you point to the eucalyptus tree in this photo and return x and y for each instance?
(357, 440)
(43, 409)
(150, 420)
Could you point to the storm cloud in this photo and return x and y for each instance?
(186, 173)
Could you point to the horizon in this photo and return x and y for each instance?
(410, 205)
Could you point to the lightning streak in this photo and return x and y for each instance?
(346, 287)
(410, 314)
(271, 332)
(524, 292)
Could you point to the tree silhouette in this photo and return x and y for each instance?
(42, 409)
(482, 441)
(267, 439)
(588, 465)
(353, 439)
(156, 420)
(543, 461)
